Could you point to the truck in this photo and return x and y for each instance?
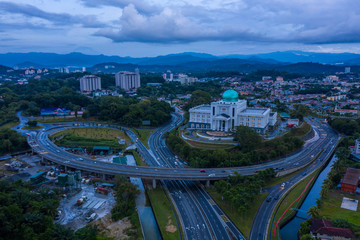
(81, 200)
(102, 190)
(176, 164)
(91, 217)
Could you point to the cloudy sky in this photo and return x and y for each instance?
(157, 27)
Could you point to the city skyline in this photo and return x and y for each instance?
(151, 28)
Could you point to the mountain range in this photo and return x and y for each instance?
(76, 59)
(292, 61)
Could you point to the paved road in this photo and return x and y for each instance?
(215, 219)
(162, 166)
(39, 141)
(262, 219)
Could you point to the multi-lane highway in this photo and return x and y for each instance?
(216, 220)
(262, 220)
(200, 216)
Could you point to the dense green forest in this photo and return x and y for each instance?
(240, 190)
(346, 126)
(129, 111)
(171, 89)
(62, 93)
(25, 214)
(11, 141)
(251, 148)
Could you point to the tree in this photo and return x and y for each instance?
(62, 233)
(313, 212)
(247, 138)
(32, 123)
(307, 237)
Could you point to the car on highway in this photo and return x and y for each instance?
(276, 197)
(282, 185)
(202, 170)
(304, 173)
(256, 171)
(268, 199)
(81, 159)
(58, 151)
(212, 175)
(296, 164)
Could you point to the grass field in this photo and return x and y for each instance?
(9, 125)
(89, 137)
(164, 214)
(33, 128)
(242, 221)
(331, 207)
(138, 159)
(210, 146)
(288, 199)
(143, 135)
(63, 119)
(281, 179)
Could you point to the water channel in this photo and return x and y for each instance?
(147, 219)
(289, 231)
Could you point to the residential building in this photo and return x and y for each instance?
(90, 83)
(128, 80)
(226, 114)
(324, 229)
(351, 180)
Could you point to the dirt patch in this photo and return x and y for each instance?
(116, 230)
(170, 228)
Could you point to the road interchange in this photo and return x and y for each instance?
(196, 207)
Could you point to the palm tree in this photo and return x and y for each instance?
(313, 212)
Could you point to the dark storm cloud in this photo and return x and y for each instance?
(87, 21)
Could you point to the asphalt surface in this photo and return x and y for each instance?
(201, 218)
(219, 225)
(262, 219)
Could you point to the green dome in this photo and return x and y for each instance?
(230, 96)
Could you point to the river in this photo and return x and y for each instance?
(289, 231)
(147, 219)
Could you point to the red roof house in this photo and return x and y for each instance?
(324, 229)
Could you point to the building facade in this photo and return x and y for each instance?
(230, 112)
(128, 80)
(90, 83)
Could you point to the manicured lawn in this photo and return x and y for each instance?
(89, 137)
(33, 128)
(281, 179)
(164, 214)
(143, 135)
(9, 125)
(331, 207)
(242, 220)
(288, 199)
(211, 146)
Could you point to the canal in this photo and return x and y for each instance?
(146, 215)
(289, 231)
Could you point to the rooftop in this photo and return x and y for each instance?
(206, 108)
(351, 177)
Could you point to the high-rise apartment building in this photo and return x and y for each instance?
(128, 80)
(90, 83)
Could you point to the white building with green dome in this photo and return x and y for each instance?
(226, 114)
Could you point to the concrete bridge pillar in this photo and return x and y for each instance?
(207, 183)
(154, 183)
(103, 177)
(66, 168)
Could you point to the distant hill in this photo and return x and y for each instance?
(292, 61)
(4, 69)
(76, 59)
(239, 65)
